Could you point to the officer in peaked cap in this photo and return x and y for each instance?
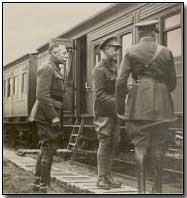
(105, 118)
(112, 41)
(149, 107)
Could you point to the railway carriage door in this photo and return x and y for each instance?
(80, 76)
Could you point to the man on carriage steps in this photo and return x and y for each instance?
(106, 121)
(149, 107)
(47, 112)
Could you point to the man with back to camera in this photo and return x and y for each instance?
(48, 112)
(149, 108)
(105, 118)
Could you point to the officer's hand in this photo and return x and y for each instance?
(56, 124)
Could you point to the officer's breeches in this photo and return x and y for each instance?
(108, 132)
(153, 143)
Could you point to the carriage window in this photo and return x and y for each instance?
(68, 67)
(15, 85)
(172, 21)
(9, 88)
(24, 83)
(4, 88)
(126, 42)
(174, 41)
(98, 54)
(172, 33)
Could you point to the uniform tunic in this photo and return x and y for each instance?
(49, 98)
(105, 120)
(149, 100)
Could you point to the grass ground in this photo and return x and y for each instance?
(17, 181)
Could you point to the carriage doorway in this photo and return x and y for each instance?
(80, 75)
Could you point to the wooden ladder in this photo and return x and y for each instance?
(75, 137)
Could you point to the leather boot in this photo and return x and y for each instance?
(38, 165)
(140, 163)
(44, 176)
(112, 182)
(49, 173)
(103, 183)
(157, 179)
(141, 181)
(43, 188)
(36, 184)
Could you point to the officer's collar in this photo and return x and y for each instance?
(148, 38)
(55, 66)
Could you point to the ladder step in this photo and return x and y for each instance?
(72, 144)
(74, 134)
(77, 126)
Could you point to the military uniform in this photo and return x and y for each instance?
(105, 120)
(149, 107)
(48, 105)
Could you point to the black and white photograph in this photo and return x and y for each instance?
(93, 98)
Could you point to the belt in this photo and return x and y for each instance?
(58, 98)
(141, 79)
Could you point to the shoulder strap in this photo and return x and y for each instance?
(158, 50)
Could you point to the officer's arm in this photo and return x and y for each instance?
(121, 84)
(172, 74)
(100, 89)
(44, 80)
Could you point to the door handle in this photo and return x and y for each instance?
(86, 86)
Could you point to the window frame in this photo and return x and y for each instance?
(120, 38)
(175, 27)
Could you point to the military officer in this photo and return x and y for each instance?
(149, 107)
(106, 121)
(48, 111)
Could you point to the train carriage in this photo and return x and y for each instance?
(82, 42)
(119, 20)
(19, 84)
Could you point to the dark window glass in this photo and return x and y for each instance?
(9, 87)
(15, 85)
(24, 83)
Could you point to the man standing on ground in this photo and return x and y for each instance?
(106, 121)
(149, 107)
(48, 112)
